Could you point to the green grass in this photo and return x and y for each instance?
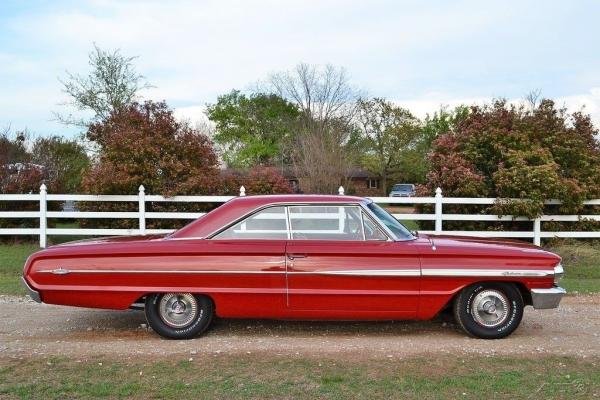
(12, 259)
(581, 261)
(411, 225)
(295, 377)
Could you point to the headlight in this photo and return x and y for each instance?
(558, 273)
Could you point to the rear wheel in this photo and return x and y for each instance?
(178, 315)
(489, 310)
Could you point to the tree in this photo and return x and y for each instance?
(20, 173)
(143, 144)
(414, 164)
(256, 180)
(389, 131)
(111, 84)
(66, 161)
(13, 150)
(327, 104)
(322, 94)
(253, 130)
(523, 155)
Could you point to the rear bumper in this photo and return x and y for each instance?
(34, 294)
(547, 298)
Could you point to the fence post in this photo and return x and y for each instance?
(242, 191)
(43, 220)
(341, 190)
(537, 229)
(142, 209)
(438, 210)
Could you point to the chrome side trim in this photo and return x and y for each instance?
(547, 298)
(486, 272)
(60, 271)
(34, 294)
(151, 271)
(350, 272)
(367, 272)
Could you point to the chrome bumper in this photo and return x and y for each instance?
(34, 294)
(547, 298)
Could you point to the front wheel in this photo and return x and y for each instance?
(178, 315)
(489, 310)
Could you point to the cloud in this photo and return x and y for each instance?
(432, 102)
(588, 102)
(423, 54)
(193, 114)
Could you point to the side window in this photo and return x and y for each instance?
(326, 222)
(372, 231)
(270, 223)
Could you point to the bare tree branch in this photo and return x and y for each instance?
(111, 84)
(327, 103)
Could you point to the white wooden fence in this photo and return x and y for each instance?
(141, 215)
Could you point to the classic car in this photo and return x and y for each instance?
(300, 257)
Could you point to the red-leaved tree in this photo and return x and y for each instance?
(521, 155)
(143, 144)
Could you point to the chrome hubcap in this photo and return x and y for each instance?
(178, 309)
(490, 308)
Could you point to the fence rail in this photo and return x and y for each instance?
(536, 234)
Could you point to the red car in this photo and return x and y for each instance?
(300, 257)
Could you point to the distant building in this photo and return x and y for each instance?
(358, 181)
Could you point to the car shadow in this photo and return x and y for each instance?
(133, 322)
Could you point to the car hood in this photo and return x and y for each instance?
(475, 245)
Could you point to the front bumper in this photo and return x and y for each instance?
(547, 298)
(34, 294)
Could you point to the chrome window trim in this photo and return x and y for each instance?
(387, 230)
(391, 236)
(362, 223)
(361, 205)
(246, 216)
(349, 205)
(288, 223)
(377, 225)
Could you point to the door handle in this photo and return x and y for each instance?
(294, 256)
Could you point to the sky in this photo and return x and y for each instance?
(419, 54)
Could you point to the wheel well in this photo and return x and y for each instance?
(139, 304)
(525, 293)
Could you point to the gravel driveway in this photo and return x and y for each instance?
(30, 329)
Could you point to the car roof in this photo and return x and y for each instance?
(237, 207)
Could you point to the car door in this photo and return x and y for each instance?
(339, 259)
(248, 259)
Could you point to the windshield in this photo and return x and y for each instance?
(405, 188)
(390, 222)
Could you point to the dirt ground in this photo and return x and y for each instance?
(29, 329)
